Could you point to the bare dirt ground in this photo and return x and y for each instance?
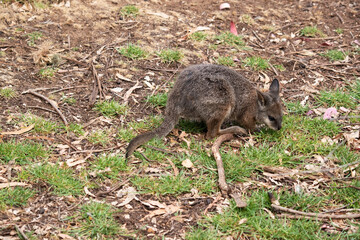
(85, 34)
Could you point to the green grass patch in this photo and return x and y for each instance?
(158, 100)
(129, 11)
(132, 51)
(347, 97)
(296, 108)
(170, 55)
(230, 39)
(311, 31)
(22, 152)
(226, 61)
(7, 93)
(125, 134)
(109, 166)
(111, 108)
(280, 67)
(97, 221)
(99, 137)
(257, 63)
(163, 185)
(198, 36)
(47, 72)
(41, 125)
(334, 55)
(147, 123)
(247, 19)
(75, 128)
(68, 100)
(339, 31)
(15, 197)
(33, 37)
(260, 225)
(61, 180)
(344, 194)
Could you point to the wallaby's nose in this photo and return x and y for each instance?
(279, 127)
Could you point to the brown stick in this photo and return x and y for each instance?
(221, 172)
(52, 103)
(212, 204)
(316, 215)
(298, 214)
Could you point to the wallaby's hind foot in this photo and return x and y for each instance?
(234, 130)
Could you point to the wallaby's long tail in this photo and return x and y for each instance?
(165, 128)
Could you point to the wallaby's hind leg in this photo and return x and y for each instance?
(213, 127)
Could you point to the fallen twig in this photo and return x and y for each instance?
(23, 235)
(300, 214)
(128, 92)
(52, 103)
(97, 87)
(221, 172)
(212, 204)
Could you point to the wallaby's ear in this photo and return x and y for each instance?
(261, 99)
(275, 88)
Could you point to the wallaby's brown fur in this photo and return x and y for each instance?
(214, 93)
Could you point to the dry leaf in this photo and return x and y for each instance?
(233, 28)
(88, 192)
(187, 163)
(224, 6)
(131, 194)
(66, 237)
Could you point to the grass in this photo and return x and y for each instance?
(15, 197)
(157, 100)
(47, 73)
(198, 36)
(109, 166)
(75, 128)
(22, 152)
(7, 93)
(97, 221)
(170, 55)
(41, 125)
(259, 224)
(129, 11)
(334, 55)
(230, 39)
(111, 108)
(62, 181)
(296, 108)
(280, 67)
(163, 185)
(257, 63)
(347, 97)
(33, 37)
(247, 19)
(311, 31)
(132, 52)
(99, 137)
(226, 61)
(68, 100)
(339, 31)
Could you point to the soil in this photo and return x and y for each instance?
(87, 33)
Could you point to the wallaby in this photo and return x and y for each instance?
(214, 93)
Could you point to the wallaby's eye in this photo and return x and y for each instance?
(272, 119)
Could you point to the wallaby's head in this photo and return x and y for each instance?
(269, 106)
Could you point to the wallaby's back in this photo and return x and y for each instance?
(214, 93)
